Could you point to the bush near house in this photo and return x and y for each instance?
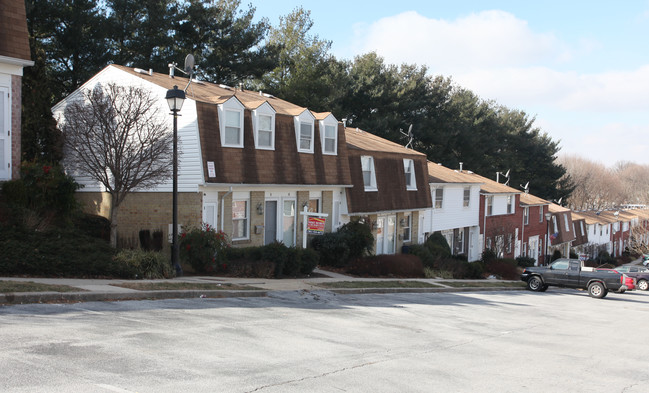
(352, 241)
(398, 265)
(143, 264)
(204, 249)
(273, 260)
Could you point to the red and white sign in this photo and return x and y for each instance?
(316, 225)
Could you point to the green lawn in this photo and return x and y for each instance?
(30, 286)
(378, 284)
(167, 286)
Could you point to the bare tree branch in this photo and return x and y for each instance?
(117, 136)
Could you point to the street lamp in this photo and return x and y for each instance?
(548, 215)
(175, 99)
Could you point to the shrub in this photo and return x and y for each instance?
(278, 253)
(423, 253)
(488, 255)
(204, 249)
(42, 197)
(93, 225)
(332, 249)
(506, 269)
(358, 238)
(60, 253)
(438, 246)
(399, 265)
(309, 259)
(145, 264)
(525, 262)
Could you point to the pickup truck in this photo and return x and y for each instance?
(571, 273)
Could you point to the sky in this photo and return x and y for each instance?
(579, 68)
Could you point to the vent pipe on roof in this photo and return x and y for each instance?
(151, 71)
(171, 69)
(461, 166)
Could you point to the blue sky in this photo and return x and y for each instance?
(581, 68)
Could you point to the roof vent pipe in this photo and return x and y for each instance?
(171, 69)
(461, 166)
(151, 71)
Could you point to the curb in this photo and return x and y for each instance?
(79, 297)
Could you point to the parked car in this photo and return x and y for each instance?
(641, 275)
(571, 273)
(629, 281)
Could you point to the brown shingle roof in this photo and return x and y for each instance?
(362, 140)
(211, 93)
(440, 174)
(529, 200)
(490, 186)
(13, 30)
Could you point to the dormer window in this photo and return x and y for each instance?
(369, 175)
(231, 123)
(409, 171)
(329, 135)
(263, 125)
(304, 132)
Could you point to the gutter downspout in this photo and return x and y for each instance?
(222, 208)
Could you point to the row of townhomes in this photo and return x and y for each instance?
(253, 165)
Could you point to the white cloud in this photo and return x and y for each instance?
(486, 39)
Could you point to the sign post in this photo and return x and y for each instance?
(312, 224)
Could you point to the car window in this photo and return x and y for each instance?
(560, 265)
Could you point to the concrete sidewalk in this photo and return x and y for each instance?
(106, 290)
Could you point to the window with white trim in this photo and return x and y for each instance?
(304, 124)
(407, 224)
(565, 220)
(467, 197)
(231, 123)
(369, 174)
(313, 206)
(263, 127)
(554, 224)
(510, 205)
(409, 171)
(526, 215)
(490, 204)
(540, 213)
(329, 135)
(439, 197)
(240, 214)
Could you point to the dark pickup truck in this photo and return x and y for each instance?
(571, 273)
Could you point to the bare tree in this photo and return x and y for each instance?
(117, 136)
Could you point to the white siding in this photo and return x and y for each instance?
(190, 170)
(453, 214)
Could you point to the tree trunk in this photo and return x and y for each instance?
(114, 208)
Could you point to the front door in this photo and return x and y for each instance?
(533, 248)
(386, 235)
(270, 222)
(288, 222)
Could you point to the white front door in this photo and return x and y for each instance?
(5, 138)
(288, 222)
(386, 235)
(534, 248)
(209, 214)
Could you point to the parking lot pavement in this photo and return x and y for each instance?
(515, 341)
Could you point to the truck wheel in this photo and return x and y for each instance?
(643, 285)
(535, 284)
(597, 290)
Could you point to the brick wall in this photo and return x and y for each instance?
(145, 210)
(16, 99)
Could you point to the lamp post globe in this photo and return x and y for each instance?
(175, 98)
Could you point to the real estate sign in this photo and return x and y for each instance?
(316, 225)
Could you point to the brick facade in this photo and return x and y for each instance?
(16, 100)
(145, 210)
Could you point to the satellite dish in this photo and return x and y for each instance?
(507, 174)
(189, 64)
(409, 135)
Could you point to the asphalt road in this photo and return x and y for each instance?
(558, 341)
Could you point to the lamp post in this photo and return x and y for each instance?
(548, 215)
(175, 99)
